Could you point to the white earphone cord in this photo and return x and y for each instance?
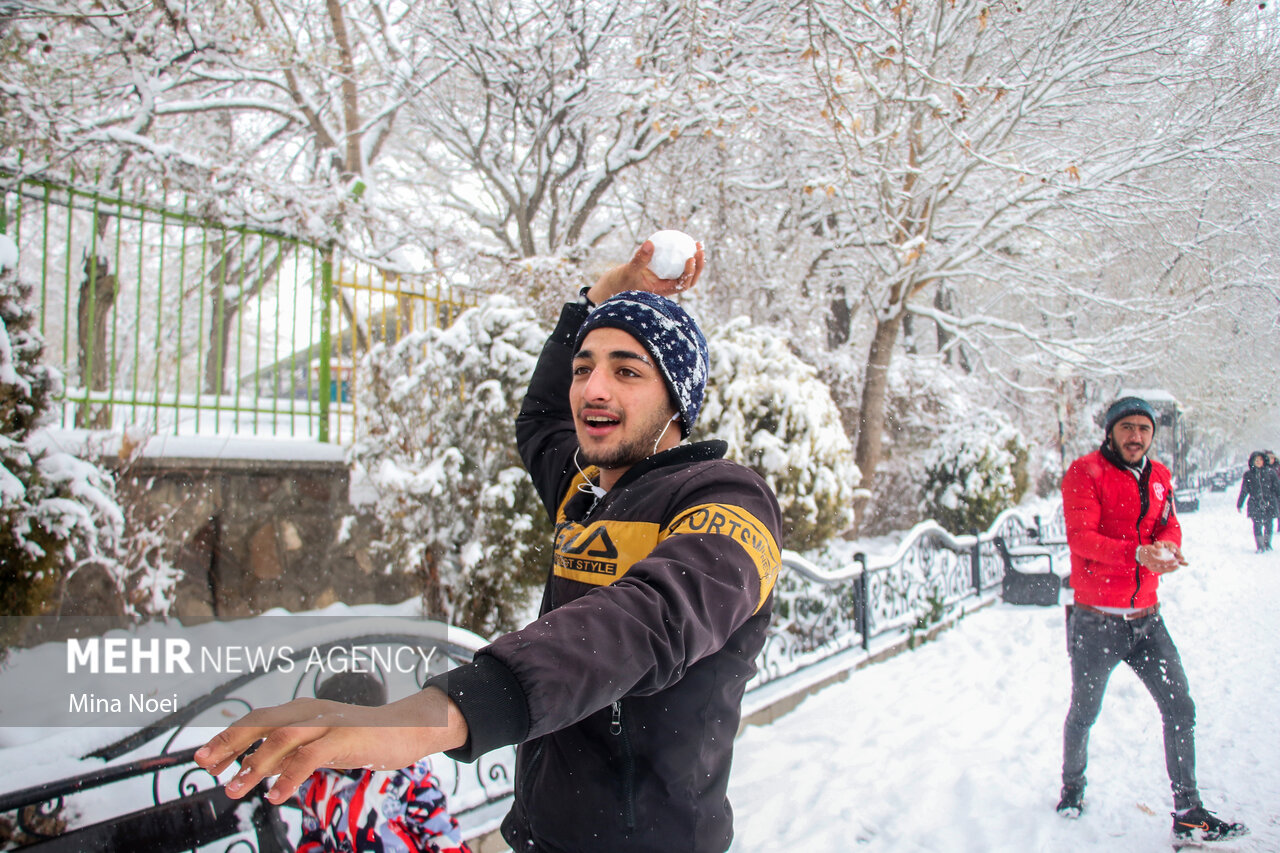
(588, 486)
(664, 432)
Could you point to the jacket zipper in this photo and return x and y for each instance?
(617, 729)
(525, 776)
(1145, 504)
(1137, 570)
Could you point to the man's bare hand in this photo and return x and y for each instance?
(306, 734)
(636, 275)
(1161, 557)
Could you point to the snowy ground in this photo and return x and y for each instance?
(957, 746)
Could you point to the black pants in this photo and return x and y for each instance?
(1262, 532)
(1098, 643)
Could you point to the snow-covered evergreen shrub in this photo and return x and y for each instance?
(146, 552)
(928, 400)
(436, 440)
(975, 470)
(780, 420)
(57, 511)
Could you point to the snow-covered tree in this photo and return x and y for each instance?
(976, 469)
(980, 141)
(543, 110)
(268, 114)
(928, 401)
(779, 420)
(56, 511)
(436, 440)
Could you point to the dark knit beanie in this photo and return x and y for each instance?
(670, 335)
(1126, 406)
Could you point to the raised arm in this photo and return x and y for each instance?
(636, 275)
(545, 432)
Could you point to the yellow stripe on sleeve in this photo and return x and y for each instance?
(743, 528)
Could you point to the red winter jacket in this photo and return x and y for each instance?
(1107, 521)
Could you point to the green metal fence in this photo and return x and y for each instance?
(161, 318)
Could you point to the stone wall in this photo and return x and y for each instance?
(249, 533)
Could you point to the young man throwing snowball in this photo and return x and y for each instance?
(1123, 535)
(625, 693)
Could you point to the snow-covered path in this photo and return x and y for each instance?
(957, 745)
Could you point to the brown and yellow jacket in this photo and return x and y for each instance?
(625, 693)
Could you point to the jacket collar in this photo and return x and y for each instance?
(578, 506)
(681, 454)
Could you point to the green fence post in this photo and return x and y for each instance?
(326, 345)
(44, 258)
(220, 317)
(182, 301)
(159, 290)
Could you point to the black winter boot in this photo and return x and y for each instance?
(1199, 825)
(1071, 803)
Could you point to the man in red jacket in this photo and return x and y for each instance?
(1123, 535)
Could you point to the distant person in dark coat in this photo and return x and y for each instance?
(1260, 486)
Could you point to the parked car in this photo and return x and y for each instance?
(1186, 500)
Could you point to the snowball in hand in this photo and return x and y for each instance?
(670, 251)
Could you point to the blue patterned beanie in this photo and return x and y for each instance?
(670, 335)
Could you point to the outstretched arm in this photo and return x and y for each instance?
(304, 735)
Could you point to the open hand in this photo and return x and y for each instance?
(304, 735)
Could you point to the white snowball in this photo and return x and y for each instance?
(670, 251)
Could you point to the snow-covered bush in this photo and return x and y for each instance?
(436, 440)
(975, 470)
(780, 420)
(927, 401)
(57, 511)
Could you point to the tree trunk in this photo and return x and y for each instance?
(874, 395)
(839, 318)
(98, 291)
(942, 301)
(224, 310)
(433, 606)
